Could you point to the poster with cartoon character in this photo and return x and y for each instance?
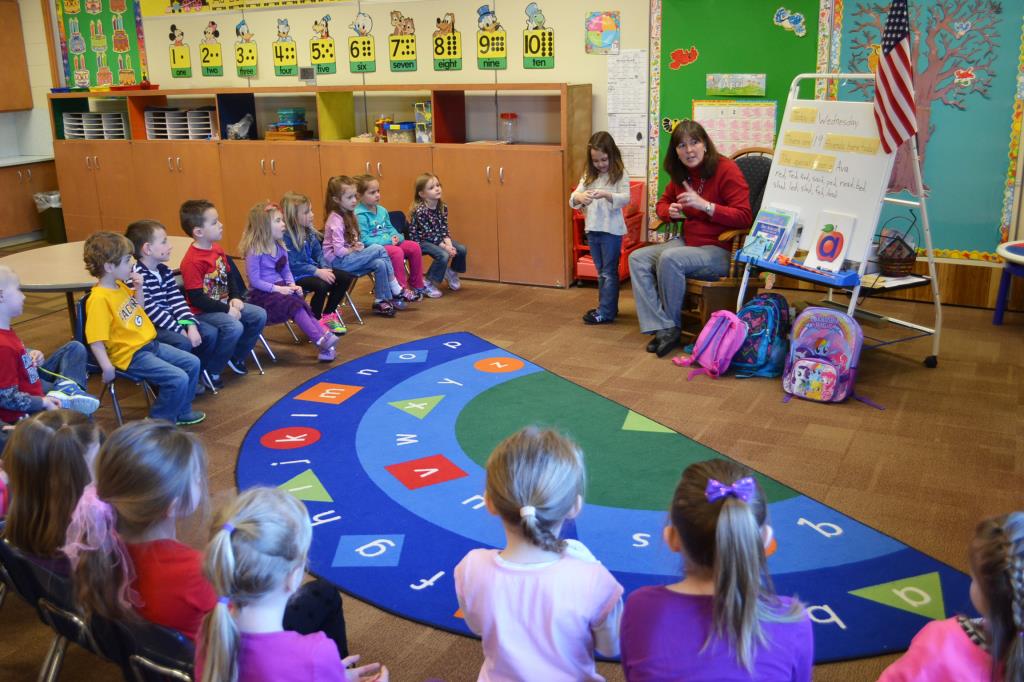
(322, 50)
(210, 56)
(491, 41)
(447, 44)
(402, 43)
(538, 40)
(181, 60)
(246, 54)
(286, 54)
(362, 56)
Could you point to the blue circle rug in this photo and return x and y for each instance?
(387, 452)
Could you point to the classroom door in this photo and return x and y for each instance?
(77, 185)
(469, 179)
(532, 215)
(244, 181)
(156, 179)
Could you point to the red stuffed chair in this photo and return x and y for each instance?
(635, 214)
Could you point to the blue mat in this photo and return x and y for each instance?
(387, 452)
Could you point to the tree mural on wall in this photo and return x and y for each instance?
(953, 44)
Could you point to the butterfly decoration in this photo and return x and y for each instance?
(964, 77)
(791, 21)
(960, 28)
(681, 57)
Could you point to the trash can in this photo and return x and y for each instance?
(51, 216)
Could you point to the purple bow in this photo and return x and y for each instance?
(743, 489)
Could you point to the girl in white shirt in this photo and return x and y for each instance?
(601, 195)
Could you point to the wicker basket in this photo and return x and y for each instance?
(892, 267)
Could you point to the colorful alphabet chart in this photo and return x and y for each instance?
(387, 452)
(322, 55)
(491, 50)
(181, 62)
(246, 59)
(362, 57)
(286, 58)
(211, 59)
(448, 51)
(539, 49)
(402, 52)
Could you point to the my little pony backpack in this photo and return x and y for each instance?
(823, 354)
(716, 345)
(763, 353)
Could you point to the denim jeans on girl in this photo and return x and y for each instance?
(605, 249)
(440, 260)
(373, 259)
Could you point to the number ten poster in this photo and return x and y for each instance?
(114, 52)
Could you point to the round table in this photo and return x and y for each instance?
(59, 267)
(1012, 254)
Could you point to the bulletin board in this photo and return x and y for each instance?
(694, 38)
(101, 42)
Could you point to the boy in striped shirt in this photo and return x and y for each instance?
(165, 304)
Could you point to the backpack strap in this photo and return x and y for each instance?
(867, 401)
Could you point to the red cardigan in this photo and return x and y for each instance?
(727, 189)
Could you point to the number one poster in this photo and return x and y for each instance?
(101, 43)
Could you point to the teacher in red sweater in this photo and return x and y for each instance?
(710, 194)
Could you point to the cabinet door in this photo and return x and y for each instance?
(198, 166)
(15, 91)
(244, 169)
(532, 209)
(76, 182)
(294, 167)
(396, 167)
(115, 184)
(157, 183)
(469, 190)
(17, 212)
(341, 158)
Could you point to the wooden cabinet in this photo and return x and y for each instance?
(18, 213)
(168, 173)
(15, 89)
(395, 166)
(97, 186)
(468, 177)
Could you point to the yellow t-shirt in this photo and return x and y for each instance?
(114, 317)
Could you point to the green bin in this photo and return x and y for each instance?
(51, 216)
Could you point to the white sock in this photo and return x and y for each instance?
(396, 288)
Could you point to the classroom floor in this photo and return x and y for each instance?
(947, 451)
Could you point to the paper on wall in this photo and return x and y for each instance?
(627, 82)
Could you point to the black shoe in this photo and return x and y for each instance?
(652, 345)
(593, 317)
(668, 339)
(238, 366)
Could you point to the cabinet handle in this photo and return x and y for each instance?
(88, 163)
(379, 174)
(170, 164)
(487, 174)
(263, 166)
(367, 167)
(19, 177)
(177, 159)
(273, 166)
(96, 162)
(501, 174)
(29, 171)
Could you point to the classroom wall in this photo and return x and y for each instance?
(27, 133)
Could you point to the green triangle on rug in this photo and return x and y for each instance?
(638, 422)
(418, 407)
(920, 594)
(307, 487)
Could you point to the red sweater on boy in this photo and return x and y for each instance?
(727, 189)
(20, 389)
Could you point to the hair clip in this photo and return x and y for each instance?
(742, 489)
(271, 206)
(225, 600)
(527, 511)
(228, 527)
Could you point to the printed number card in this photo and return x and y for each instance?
(362, 57)
(322, 55)
(491, 50)
(181, 62)
(402, 52)
(539, 49)
(246, 59)
(211, 59)
(448, 51)
(286, 58)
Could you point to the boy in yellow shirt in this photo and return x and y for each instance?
(121, 335)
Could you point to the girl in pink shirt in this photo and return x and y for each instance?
(986, 648)
(542, 605)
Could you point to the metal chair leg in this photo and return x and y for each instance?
(355, 310)
(257, 361)
(114, 401)
(147, 391)
(208, 380)
(54, 660)
(3, 593)
(263, 340)
(291, 330)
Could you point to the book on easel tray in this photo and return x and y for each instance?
(772, 230)
(831, 242)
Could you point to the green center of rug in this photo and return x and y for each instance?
(632, 461)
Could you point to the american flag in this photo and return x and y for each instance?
(894, 81)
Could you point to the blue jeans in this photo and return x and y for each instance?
(373, 259)
(67, 362)
(215, 350)
(175, 373)
(605, 249)
(440, 260)
(246, 332)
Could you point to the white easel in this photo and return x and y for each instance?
(849, 280)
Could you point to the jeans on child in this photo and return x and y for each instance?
(372, 259)
(440, 260)
(67, 362)
(175, 374)
(215, 350)
(246, 330)
(605, 249)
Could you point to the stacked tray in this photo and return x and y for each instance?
(91, 125)
(200, 124)
(166, 124)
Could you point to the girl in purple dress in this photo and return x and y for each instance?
(271, 285)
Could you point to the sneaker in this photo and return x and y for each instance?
(431, 290)
(594, 317)
(328, 340)
(72, 397)
(334, 324)
(384, 308)
(412, 295)
(191, 417)
(200, 388)
(399, 303)
(452, 278)
(238, 366)
(327, 355)
(218, 383)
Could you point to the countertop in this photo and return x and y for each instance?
(22, 160)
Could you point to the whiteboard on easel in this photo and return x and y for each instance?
(828, 160)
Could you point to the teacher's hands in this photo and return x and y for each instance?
(690, 199)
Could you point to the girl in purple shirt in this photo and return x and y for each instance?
(723, 621)
(271, 285)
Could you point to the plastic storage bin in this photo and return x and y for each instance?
(402, 132)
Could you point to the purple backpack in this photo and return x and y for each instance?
(718, 342)
(823, 355)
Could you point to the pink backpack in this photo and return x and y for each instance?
(719, 340)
